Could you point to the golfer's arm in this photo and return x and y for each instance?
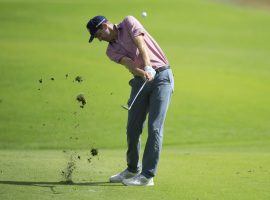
(140, 43)
(129, 64)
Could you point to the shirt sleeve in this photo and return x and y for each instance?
(135, 28)
(113, 55)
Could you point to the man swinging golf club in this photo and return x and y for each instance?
(130, 45)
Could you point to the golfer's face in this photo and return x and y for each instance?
(103, 34)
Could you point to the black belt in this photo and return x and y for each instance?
(160, 69)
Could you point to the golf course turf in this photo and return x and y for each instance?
(217, 130)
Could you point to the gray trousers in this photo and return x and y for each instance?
(153, 100)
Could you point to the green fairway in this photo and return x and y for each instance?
(186, 173)
(219, 55)
(217, 131)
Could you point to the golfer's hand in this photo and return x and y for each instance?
(149, 73)
(148, 76)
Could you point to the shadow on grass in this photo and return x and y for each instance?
(53, 184)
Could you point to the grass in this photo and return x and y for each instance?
(219, 55)
(201, 173)
(216, 143)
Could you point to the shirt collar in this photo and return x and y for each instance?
(119, 28)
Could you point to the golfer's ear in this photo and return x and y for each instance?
(104, 26)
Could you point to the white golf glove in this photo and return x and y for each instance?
(150, 70)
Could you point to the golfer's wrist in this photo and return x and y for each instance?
(150, 70)
(147, 67)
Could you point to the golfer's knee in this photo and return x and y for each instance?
(155, 134)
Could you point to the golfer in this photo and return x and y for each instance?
(130, 45)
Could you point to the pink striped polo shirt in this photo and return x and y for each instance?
(124, 46)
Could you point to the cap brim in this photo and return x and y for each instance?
(91, 38)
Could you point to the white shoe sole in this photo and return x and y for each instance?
(151, 183)
(120, 181)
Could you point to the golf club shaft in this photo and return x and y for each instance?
(137, 94)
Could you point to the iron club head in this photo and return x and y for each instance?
(129, 107)
(125, 107)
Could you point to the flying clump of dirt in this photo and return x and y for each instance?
(93, 152)
(71, 166)
(81, 99)
(78, 79)
(68, 171)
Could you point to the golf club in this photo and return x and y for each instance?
(129, 107)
